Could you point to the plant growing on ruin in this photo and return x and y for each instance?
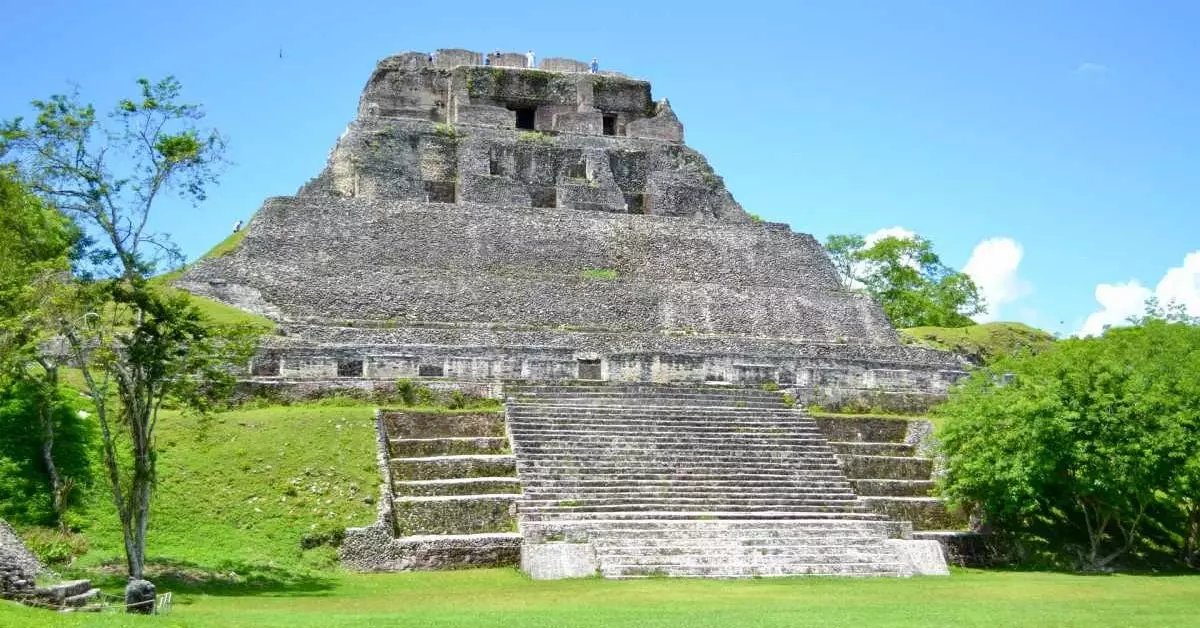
(600, 273)
(1085, 449)
(445, 129)
(907, 279)
(137, 344)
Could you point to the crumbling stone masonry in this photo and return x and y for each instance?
(485, 223)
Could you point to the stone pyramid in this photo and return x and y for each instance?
(480, 220)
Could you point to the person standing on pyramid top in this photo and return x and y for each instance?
(529, 58)
(595, 65)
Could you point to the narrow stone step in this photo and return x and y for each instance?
(886, 467)
(460, 445)
(81, 599)
(444, 467)
(409, 424)
(455, 514)
(457, 486)
(925, 513)
(863, 429)
(893, 488)
(873, 449)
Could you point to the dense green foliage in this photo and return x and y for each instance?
(26, 494)
(138, 346)
(981, 343)
(907, 279)
(494, 598)
(1087, 451)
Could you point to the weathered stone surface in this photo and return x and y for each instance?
(924, 557)
(140, 597)
(19, 568)
(485, 223)
(559, 560)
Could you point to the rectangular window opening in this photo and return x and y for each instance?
(431, 370)
(439, 192)
(635, 203)
(494, 166)
(525, 117)
(610, 125)
(350, 368)
(577, 170)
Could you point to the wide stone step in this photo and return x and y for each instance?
(741, 483)
(863, 429)
(637, 389)
(409, 424)
(925, 513)
(873, 449)
(688, 464)
(886, 468)
(733, 572)
(646, 418)
(445, 467)
(521, 411)
(543, 476)
(701, 502)
(58, 593)
(707, 493)
(707, 515)
(455, 514)
(669, 505)
(455, 551)
(421, 447)
(760, 447)
(457, 486)
(673, 439)
(894, 488)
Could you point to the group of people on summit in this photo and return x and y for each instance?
(530, 60)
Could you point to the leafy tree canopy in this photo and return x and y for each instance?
(1087, 449)
(907, 279)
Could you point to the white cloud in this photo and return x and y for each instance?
(888, 232)
(1119, 302)
(1088, 67)
(993, 267)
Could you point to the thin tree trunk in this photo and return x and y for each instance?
(59, 489)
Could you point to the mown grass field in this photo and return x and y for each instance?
(503, 597)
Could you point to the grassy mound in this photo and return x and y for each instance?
(980, 343)
(239, 492)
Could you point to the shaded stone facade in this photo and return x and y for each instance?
(483, 223)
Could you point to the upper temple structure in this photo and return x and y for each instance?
(480, 220)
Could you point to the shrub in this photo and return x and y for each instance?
(599, 273)
(770, 386)
(1081, 451)
(54, 547)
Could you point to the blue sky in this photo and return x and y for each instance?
(1065, 133)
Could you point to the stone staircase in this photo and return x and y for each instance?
(880, 457)
(631, 481)
(450, 495)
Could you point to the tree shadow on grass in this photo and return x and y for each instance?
(232, 578)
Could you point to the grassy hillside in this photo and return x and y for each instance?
(980, 343)
(238, 491)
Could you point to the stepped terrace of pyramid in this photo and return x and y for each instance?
(482, 221)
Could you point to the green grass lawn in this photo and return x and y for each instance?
(980, 342)
(503, 597)
(238, 490)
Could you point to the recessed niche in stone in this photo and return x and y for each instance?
(589, 369)
(431, 370)
(267, 366)
(525, 117)
(350, 368)
(544, 197)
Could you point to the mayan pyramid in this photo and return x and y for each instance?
(484, 221)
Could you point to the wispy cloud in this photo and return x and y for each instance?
(1090, 68)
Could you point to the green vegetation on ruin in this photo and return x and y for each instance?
(490, 598)
(981, 343)
(599, 273)
(535, 137)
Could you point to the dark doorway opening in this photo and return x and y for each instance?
(350, 368)
(266, 367)
(525, 117)
(610, 125)
(544, 197)
(635, 203)
(430, 370)
(589, 369)
(439, 191)
(494, 166)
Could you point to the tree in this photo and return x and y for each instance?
(1081, 446)
(907, 279)
(136, 343)
(36, 244)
